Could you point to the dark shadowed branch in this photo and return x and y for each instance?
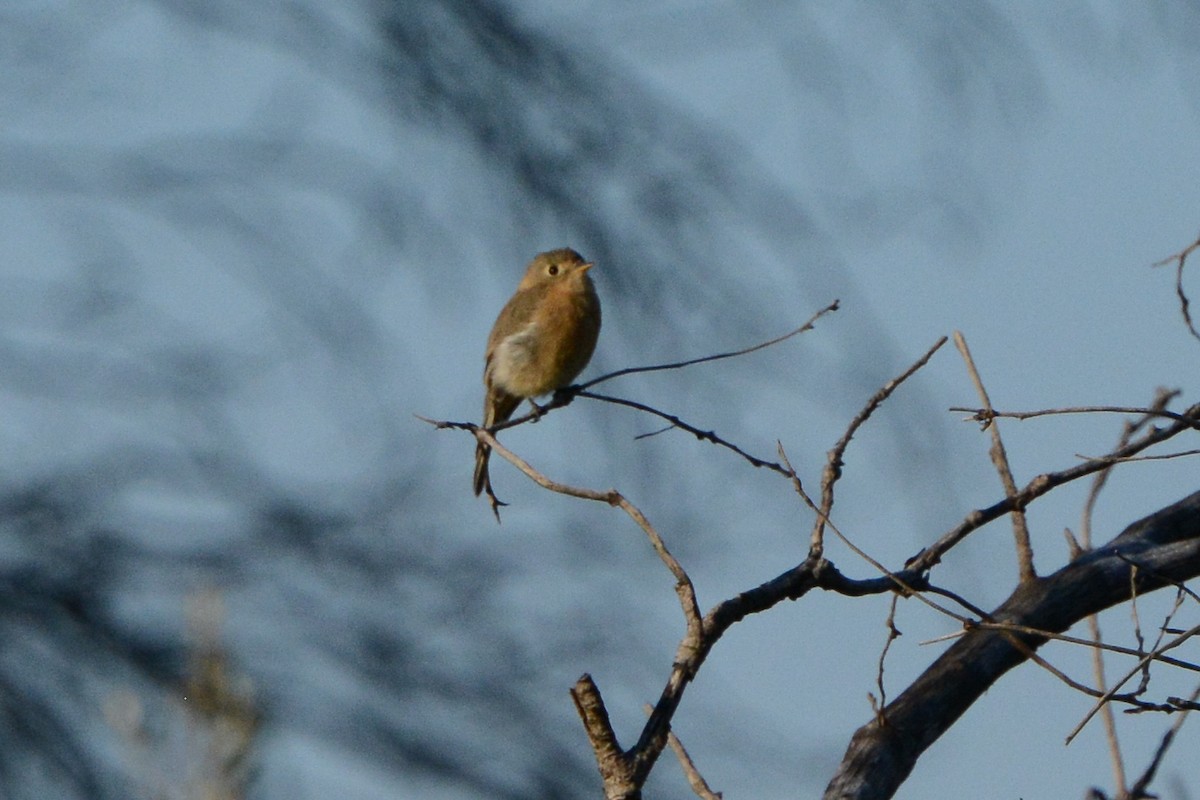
(880, 756)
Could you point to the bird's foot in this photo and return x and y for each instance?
(494, 501)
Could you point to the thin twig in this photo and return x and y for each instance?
(703, 359)
(1157, 408)
(930, 556)
(1180, 259)
(834, 460)
(893, 635)
(988, 624)
(694, 778)
(1178, 640)
(1140, 787)
(814, 550)
(1000, 460)
(676, 422)
(1108, 717)
(683, 583)
(984, 416)
(1136, 618)
(1131, 459)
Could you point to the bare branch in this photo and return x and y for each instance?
(879, 757)
(1180, 259)
(683, 583)
(928, 557)
(1141, 786)
(1000, 460)
(984, 416)
(834, 460)
(615, 770)
(676, 422)
(624, 777)
(699, 786)
(703, 359)
(893, 635)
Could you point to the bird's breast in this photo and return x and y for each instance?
(548, 352)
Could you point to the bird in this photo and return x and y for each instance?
(543, 338)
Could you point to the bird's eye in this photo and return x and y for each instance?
(552, 270)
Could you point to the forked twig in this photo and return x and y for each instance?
(930, 556)
(565, 395)
(834, 460)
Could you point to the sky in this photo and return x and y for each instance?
(248, 243)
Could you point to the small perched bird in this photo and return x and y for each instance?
(542, 339)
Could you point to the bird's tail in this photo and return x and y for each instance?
(482, 452)
(497, 407)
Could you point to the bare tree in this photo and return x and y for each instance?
(1161, 550)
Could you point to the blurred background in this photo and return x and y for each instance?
(245, 242)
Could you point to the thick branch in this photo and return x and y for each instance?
(615, 769)
(1165, 547)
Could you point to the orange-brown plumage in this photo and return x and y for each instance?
(543, 337)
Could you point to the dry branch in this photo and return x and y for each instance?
(1180, 260)
(1166, 547)
(928, 557)
(1000, 461)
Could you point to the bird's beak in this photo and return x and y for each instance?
(586, 267)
